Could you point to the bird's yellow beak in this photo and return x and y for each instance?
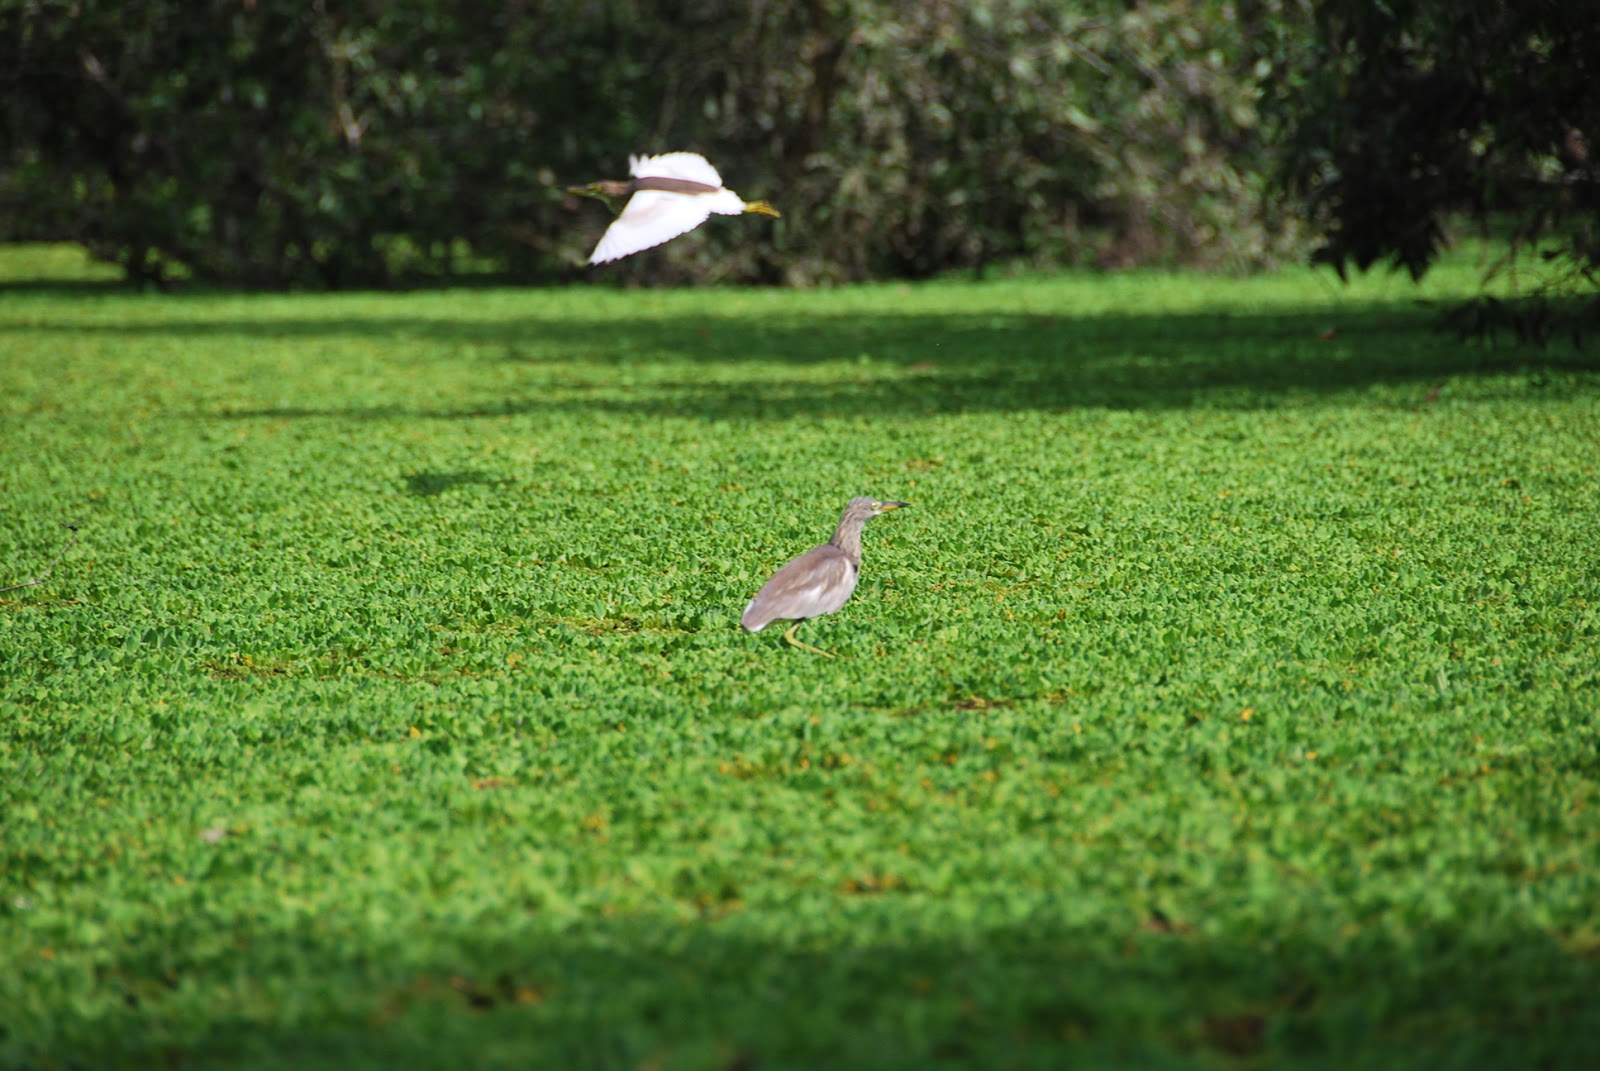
(885, 507)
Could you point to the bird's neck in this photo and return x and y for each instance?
(847, 537)
(610, 191)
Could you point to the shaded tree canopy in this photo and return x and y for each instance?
(1393, 116)
(325, 143)
(286, 142)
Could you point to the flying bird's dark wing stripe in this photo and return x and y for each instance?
(672, 185)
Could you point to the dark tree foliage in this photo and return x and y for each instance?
(328, 143)
(271, 142)
(1393, 116)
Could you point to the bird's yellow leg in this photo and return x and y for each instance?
(802, 644)
(761, 208)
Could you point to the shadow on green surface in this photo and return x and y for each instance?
(66, 288)
(627, 995)
(920, 364)
(887, 362)
(432, 484)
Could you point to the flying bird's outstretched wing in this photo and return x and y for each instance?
(681, 165)
(649, 218)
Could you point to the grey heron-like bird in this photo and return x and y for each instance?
(669, 195)
(819, 581)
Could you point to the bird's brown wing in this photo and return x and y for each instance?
(817, 582)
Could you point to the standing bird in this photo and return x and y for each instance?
(820, 580)
(669, 195)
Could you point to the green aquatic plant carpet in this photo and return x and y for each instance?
(1228, 697)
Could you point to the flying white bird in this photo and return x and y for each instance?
(669, 195)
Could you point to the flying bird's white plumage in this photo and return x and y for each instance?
(683, 165)
(653, 215)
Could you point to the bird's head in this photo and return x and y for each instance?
(868, 507)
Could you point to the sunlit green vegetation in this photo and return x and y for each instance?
(1227, 697)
